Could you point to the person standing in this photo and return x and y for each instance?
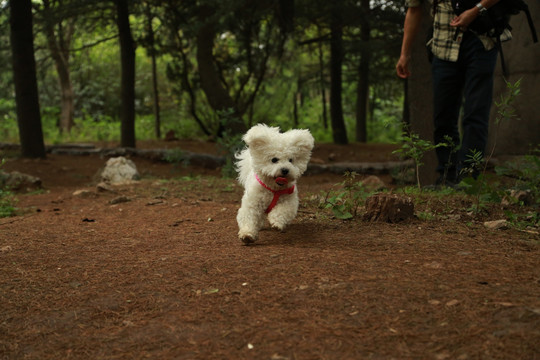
(462, 68)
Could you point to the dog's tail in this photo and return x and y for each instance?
(243, 165)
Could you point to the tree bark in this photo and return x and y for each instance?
(323, 85)
(339, 131)
(362, 91)
(24, 76)
(218, 97)
(389, 208)
(155, 90)
(58, 44)
(127, 58)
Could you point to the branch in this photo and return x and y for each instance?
(315, 40)
(95, 43)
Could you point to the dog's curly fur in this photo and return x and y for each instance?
(278, 160)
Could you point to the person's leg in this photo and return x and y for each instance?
(447, 93)
(478, 94)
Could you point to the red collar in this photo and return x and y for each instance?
(277, 193)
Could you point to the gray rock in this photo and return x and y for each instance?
(496, 224)
(119, 170)
(19, 182)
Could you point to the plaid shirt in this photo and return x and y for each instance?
(445, 42)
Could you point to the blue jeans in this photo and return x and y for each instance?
(468, 81)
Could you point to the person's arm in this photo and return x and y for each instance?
(413, 19)
(465, 18)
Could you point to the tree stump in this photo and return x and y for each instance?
(389, 208)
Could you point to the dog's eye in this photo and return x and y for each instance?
(275, 160)
(290, 160)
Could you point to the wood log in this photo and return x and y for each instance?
(389, 208)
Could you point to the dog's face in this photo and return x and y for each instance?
(279, 158)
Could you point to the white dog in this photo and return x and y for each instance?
(268, 169)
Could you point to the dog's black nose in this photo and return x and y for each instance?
(284, 171)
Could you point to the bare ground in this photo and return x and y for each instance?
(163, 275)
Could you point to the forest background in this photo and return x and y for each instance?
(136, 69)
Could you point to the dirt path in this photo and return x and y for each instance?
(163, 276)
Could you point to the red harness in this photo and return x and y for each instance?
(277, 194)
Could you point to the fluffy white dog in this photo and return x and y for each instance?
(268, 169)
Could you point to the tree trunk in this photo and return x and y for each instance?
(127, 58)
(218, 97)
(186, 69)
(24, 76)
(58, 44)
(323, 86)
(339, 131)
(420, 93)
(362, 92)
(155, 90)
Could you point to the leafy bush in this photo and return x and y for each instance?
(346, 201)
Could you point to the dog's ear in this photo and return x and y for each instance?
(259, 136)
(301, 139)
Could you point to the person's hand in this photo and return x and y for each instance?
(463, 20)
(402, 67)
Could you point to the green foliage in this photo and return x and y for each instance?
(505, 110)
(176, 157)
(525, 171)
(229, 144)
(8, 123)
(260, 64)
(415, 148)
(7, 200)
(346, 201)
(385, 126)
(505, 106)
(476, 182)
(484, 190)
(523, 221)
(479, 184)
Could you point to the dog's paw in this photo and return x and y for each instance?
(247, 236)
(247, 240)
(280, 228)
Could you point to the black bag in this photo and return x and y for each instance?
(496, 19)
